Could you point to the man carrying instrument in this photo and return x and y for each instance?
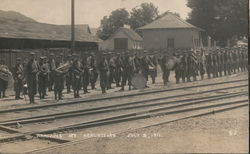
(86, 72)
(18, 78)
(42, 77)
(3, 83)
(91, 61)
(69, 74)
(52, 67)
(32, 70)
(59, 79)
(76, 71)
(137, 61)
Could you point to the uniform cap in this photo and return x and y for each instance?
(42, 58)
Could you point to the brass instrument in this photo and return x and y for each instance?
(44, 70)
(63, 68)
(5, 73)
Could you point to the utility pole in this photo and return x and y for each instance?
(72, 26)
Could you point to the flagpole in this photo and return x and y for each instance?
(72, 26)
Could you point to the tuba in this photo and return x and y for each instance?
(5, 73)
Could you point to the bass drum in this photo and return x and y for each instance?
(138, 81)
(170, 63)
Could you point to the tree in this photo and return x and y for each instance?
(142, 15)
(112, 23)
(222, 19)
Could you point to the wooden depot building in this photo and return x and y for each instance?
(170, 32)
(122, 39)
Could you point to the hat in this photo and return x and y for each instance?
(42, 58)
(51, 54)
(18, 59)
(32, 53)
(61, 54)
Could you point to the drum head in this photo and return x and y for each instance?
(138, 81)
(170, 64)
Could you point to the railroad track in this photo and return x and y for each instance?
(117, 97)
(123, 106)
(110, 108)
(149, 108)
(223, 107)
(148, 113)
(73, 108)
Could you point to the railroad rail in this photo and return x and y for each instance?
(116, 97)
(148, 113)
(46, 149)
(148, 108)
(124, 106)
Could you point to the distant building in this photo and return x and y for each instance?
(122, 39)
(169, 32)
(20, 32)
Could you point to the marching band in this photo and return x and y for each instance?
(116, 68)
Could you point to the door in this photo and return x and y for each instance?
(121, 43)
(170, 43)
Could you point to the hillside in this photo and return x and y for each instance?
(16, 25)
(14, 16)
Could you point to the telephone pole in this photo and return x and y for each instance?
(72, 26)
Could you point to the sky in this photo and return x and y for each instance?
(86, 11)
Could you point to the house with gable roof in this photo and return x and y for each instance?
(170, 32)
(122, 39)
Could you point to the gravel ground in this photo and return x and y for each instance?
(10, 101)
(225, 132)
